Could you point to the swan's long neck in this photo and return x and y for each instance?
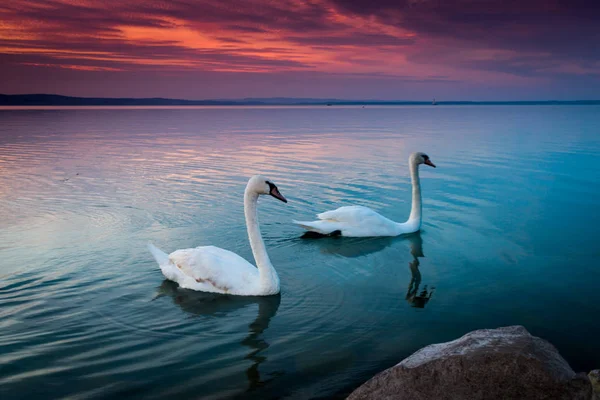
(269, 281)
(415, 212)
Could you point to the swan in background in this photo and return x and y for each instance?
(215, 270)
(359, 221)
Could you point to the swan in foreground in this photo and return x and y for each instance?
(359, 221)
(212, 269)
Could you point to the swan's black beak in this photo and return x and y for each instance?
(428, 162)
(275, 193)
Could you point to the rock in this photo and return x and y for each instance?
(595, 379)
(503, 363)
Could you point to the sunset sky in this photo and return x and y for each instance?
(349, 49)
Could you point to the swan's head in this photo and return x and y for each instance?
(421, 158)
(261, 185)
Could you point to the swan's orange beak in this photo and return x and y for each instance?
(428, 162)
(275, 193)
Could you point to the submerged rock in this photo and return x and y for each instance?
(503, 363)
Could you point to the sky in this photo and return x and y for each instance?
(346, 49)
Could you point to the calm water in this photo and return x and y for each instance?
(510, 236)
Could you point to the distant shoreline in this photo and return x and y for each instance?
(57, 100)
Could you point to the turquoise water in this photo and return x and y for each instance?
(510, 236)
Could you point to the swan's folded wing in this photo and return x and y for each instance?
(212, 265)
(323, 227)
(349, 215)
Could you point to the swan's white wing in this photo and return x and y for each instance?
(357, 221)
(350, 215)
(215, 269)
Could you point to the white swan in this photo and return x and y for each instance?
(359, 221)
(212, 269)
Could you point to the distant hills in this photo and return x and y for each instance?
(57, 100)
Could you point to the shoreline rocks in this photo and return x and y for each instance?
(503, 363)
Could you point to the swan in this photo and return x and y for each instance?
(359, 221)
(215, 270)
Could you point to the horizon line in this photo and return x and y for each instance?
(37, 99)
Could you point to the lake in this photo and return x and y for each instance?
(510, 236)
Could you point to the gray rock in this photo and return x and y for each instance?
(595, 379)
(503, 363)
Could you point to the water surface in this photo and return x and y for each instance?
(510, 236)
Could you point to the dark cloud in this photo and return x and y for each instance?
(564, 28)
(249, 29)
(103, 17)
(356, 39)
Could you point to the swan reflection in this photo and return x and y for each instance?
(350, 247)
(201, 303)
(413, 296)
(356, 247)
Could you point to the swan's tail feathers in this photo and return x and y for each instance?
(322, 227)
(160, 256)
(307, 225)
